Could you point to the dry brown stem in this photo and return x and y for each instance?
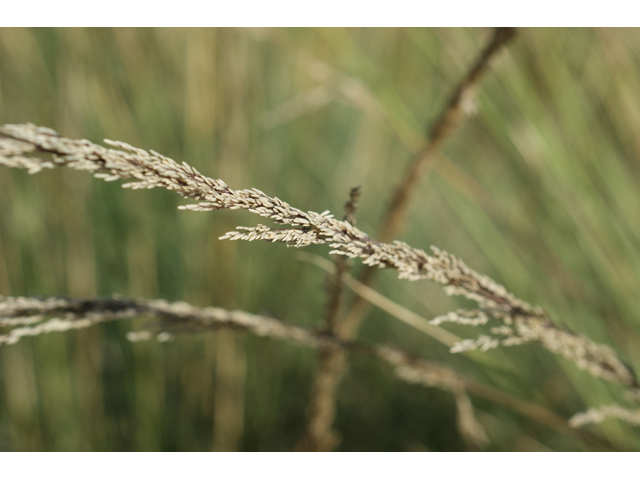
(449, 119)
(319, 435)
(335, 281)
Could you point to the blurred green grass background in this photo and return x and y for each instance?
(540, 190)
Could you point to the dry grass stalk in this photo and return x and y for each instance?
(182, 318)
(471, 430)
(521, 322)
(451, 116)
(335, 281)
(319, 435)
(384, 303)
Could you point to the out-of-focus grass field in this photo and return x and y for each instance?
(540, 190)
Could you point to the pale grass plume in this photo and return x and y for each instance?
(520, 322)
(151, 169)
(182, 318)
(463, 317)
(517, 329)
(27, 315)
(606, 412)
(175, 317)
